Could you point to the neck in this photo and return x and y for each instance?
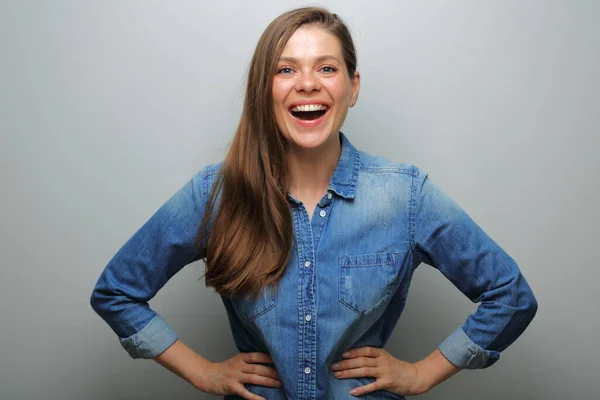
(310, 170)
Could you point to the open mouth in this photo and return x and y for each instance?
(309, 112)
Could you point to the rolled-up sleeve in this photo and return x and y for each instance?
(445, 237)
(144, 264)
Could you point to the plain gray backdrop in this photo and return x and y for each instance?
(108, 107)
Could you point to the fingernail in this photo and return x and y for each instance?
(338, 374)
(336, 365)
(346, 354)
(353, 391)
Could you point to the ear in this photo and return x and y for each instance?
(355, 88)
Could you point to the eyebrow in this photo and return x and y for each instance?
(294, 60)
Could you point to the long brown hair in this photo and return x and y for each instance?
(251, 234)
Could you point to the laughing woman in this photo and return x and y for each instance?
(312, 245)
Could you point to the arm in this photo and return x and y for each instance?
(156, 252)
(445, 237)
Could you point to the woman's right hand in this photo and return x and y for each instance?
(229, 377)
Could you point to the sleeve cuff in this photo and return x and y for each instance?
(151, 340)
(461, 351)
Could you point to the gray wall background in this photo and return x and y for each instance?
(108, 107)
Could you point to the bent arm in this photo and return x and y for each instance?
(156, 252)
(445, 237)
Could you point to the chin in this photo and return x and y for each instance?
(310, 140)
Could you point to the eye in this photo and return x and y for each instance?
(328, 69)
(284, 70)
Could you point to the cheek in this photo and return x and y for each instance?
(280, 91)
(277, 103)
(278, 107)
(340, 92)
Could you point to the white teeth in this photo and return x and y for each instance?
(309, 107)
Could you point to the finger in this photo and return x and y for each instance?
(257, 358)
(260, 380)
(366, 351)
(259, 369)
(361, 390)
(357, 373)
(248, 395)
(354, 363)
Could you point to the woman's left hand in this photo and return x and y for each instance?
(391, 374)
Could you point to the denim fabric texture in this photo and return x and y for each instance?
(346, 282)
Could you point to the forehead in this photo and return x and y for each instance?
(311, 41)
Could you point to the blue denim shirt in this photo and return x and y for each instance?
(346, 282)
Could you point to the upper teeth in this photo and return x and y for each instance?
(310, 107)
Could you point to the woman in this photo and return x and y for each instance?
(312, 245)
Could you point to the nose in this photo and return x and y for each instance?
(308, 82)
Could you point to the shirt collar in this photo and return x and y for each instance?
(343, 180)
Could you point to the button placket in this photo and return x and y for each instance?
(306, 303)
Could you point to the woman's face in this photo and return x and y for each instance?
(312, 90)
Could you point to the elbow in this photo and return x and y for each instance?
(95, 302)
(100, 300)
(532, 306)
(523, 299)
(528, 305)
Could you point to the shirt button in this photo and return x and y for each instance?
(323, 213)
(307, 370)
(308, 317)
(307, 264)
(329, 195)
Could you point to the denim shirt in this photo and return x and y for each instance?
(346, 282)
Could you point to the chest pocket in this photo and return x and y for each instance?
(367, 281)
(250, 309)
